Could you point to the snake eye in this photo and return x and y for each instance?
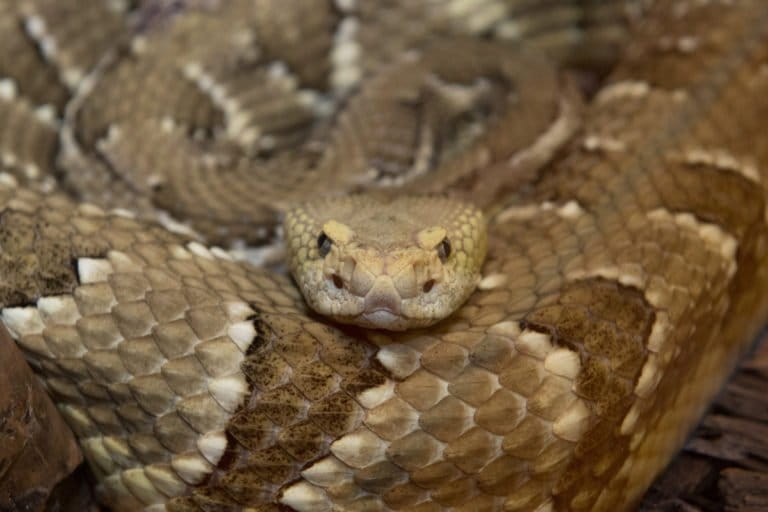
(324, 244)
(444, 249)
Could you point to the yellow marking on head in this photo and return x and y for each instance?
(430, 237)
(338, 232)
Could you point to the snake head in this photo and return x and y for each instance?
(385, 263)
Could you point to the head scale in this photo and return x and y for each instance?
(386, 263)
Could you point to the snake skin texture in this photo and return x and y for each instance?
(624, 276)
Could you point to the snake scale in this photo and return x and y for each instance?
(626, 267)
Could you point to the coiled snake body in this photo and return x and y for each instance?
(626, 267)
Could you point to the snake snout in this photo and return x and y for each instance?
(383, 296)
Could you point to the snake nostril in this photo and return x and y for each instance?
(428, 286)
(337, 281)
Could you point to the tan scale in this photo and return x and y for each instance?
(613, 274)
(165, 103)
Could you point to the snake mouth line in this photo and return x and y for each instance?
(381, 317)
(382, 312)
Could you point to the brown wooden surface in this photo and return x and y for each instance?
(37, 449)
(724, 466)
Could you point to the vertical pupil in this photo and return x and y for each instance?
(323, 244)
(444, 249)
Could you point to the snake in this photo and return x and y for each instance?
(518, 294)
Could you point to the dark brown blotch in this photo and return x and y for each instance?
(607, 324)
(303, 441)
(283, 405)
(335, 414)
